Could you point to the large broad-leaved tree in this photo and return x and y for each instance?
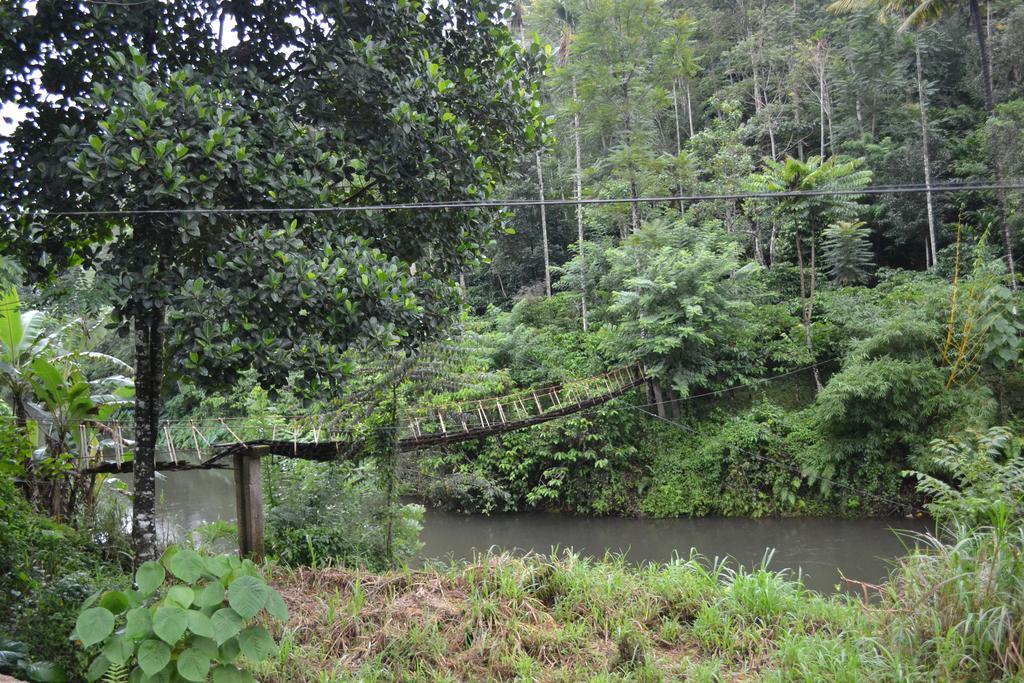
(350, 104)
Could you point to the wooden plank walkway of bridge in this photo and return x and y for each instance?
(423, 427)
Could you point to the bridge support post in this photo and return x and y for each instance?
(249, 502)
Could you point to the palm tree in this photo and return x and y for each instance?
(544, 226)
(811, 213)
(517, 23)
(680, 63)
(930, 10)
(566, 36)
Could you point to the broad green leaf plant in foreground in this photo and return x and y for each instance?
(190, 618)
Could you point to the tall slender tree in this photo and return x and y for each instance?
(918, 13)
(543, 226)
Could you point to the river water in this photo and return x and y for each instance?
(818, 548)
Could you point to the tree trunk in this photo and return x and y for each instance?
(1004, 220)
(501, 285)
(753, 76)
(799, 132)
(807, 303)
(858, 109)
(821, 58)
(544, 227)
(634, 207)
(922, 103)
(659, 398)
(148, 381)
(579, 199)
(758, 244)
(689, 107)
(821, 112)
(986, 64)
(990, 105)
(674, 408)
(627, 119)
(679, 139)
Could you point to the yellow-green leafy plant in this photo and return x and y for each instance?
(190, 618)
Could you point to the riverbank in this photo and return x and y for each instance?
(571, 619)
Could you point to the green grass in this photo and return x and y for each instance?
(951, 612)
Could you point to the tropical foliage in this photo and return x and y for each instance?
(284, 213)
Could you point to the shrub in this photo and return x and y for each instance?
(334, 513)
(957, 607)
(985, 473)
(16, 661)
(192, 625)
(46, 571)
(587, 463)
(741, 465)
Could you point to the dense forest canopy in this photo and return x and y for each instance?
(692, 99)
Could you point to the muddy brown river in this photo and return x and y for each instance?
(818, 548)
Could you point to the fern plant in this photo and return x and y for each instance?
(847, 252)
(117, 673)
(977, 477)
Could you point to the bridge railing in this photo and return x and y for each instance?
(107, 445)
(522, 406)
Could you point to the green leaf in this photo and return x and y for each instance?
(153, 656)
(45, 672)
(227, 622)
(256, 643)
(212, 595)
(139, 624)
(96, 143)
(207, 646)
(187, 565)
(229, 651)
(149, 577)
(229, 674)
(115, 601)
(98, 667)
(201, 625)
(93, 625)
(218, 565)
(11, 330)
(118, 650)
(182, 596)
(193, 665)
(247, 595)
(169, 623)
(275, 606)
